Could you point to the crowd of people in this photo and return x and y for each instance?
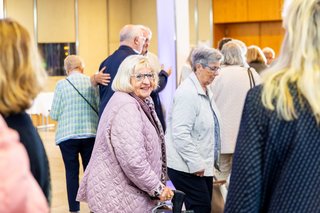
(237, 116)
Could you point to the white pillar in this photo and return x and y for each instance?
(183, 33)
(1, 9)
(173, 42)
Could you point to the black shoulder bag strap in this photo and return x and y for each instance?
(83, 97)
(251, 79)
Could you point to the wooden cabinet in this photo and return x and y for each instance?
(247, 32)
(271, 35)
(264, 10)
(262, 34)
(251, 21)
(231, 11)
(226, 11)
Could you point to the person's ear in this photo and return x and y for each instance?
(136, 40)
(198, 66)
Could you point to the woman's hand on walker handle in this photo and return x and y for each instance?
(166, 194)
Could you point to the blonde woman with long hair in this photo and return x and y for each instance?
(276, 162)
(22, 77)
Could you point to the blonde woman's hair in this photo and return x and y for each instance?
(21, 72)
(298, 63)
(122, 80)
(255, 54)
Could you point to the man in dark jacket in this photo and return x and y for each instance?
(131, 42)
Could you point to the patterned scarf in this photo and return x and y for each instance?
(148, 108)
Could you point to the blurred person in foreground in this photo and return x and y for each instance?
(20, 193)
(276, 161)
(75, 108)
(193, 133)
(21, 79)
(127, 170)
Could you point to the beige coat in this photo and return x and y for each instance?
(229, 90)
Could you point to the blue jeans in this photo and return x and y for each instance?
(70, 150)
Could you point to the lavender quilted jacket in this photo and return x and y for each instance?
(125, 165)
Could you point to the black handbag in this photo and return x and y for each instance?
(251, 79)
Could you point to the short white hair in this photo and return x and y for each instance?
(129, 32)
(204, 56)
(73, 62)
(147, 30)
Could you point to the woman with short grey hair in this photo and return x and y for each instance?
(233, 55)
(193, 136)
(229, 91)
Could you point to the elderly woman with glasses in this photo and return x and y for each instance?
(127, 169)
(193, 134)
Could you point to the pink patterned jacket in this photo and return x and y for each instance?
(125, 166)
(19, 191)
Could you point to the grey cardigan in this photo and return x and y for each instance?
(190, 131)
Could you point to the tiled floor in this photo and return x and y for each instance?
(59, 192)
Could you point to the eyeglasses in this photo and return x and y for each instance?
(140, 77)
(213, 69)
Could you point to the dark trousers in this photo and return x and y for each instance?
(70, 150)
(198, 190)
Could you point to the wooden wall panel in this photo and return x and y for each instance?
(261, 34)
(226, 11)
(272, 35)
(264, 10)
(219, 33)
(246, 32)
(253, 22)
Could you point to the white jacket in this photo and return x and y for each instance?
(190, 131)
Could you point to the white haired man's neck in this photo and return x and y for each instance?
(131, 45)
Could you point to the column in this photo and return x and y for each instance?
(173, 42)
(2, 9)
